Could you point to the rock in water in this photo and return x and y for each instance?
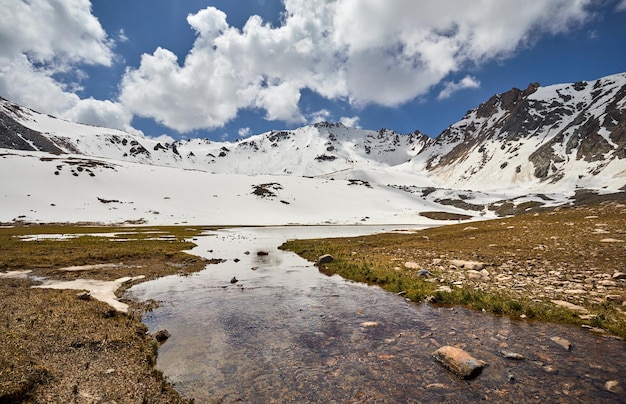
(162, 335)
(563, 342)
(459, 362)
(325, 259)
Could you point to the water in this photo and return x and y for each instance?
(286, 333)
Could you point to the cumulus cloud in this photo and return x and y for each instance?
(243, 132)
(361, 51)
(319, 116)
(53, 32)
(350, 122)
(450, 87)
(101, 113)
(40, 39)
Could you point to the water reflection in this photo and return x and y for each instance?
(286, 333)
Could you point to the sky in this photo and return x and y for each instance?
(223, 69)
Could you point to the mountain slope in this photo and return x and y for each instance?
(519, 151)
(568, 134)
(312, 150)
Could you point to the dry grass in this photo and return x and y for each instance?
(530, 259)
(58, 348)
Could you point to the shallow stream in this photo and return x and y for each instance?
(283, 332)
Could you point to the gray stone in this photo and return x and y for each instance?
(83, 295)
(562, 342)
(459, 362)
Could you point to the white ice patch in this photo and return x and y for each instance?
(100, 290)
(15, 274)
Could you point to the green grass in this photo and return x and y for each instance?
(531, 244)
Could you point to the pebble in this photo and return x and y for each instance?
(512, 355)
(613, 386)
(83, 295)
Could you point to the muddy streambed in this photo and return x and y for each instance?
(271, 328)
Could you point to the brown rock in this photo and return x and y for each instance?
(459, 362)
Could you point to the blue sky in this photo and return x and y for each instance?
(226, 69)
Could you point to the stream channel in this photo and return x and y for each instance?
(284, 332)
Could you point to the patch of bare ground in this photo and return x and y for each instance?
(445, 216)
(61, 346)
(564, 265)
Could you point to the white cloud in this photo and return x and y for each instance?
(352, 122)
(243, 132)
(621, 6)
(319, 116)
(364, 51)
(451, 87)
(22, 82)
(53, 31)
(100, 113)
(40, 39)
(163, 138)
(121, 36)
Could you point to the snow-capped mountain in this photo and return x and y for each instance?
(520, 150)
(309, 151)
(573, 135)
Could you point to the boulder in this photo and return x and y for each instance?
(325, 259)
(459, 362)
